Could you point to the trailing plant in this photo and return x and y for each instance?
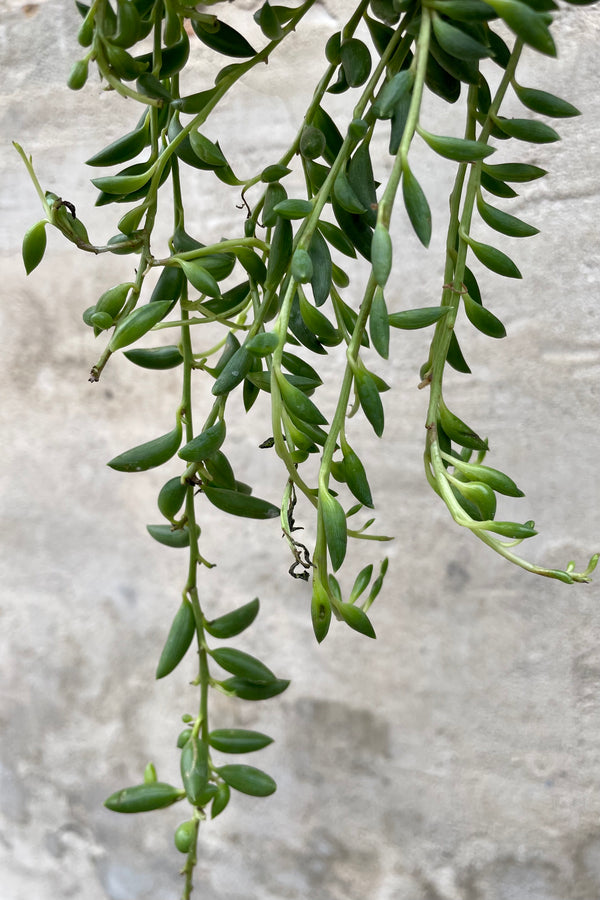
(277, 289)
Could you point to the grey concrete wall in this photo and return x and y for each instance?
(456, 758)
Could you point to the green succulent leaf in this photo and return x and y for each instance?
(178, 640)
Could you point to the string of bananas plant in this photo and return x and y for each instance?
(276, 289)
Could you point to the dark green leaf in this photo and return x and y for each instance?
(224, 39)
(527, 23)
(280, 253)
(178, 640)
(248, 690)
(457, 42)
(417, 206)
(458, 149)
(409, 319)
(334, 522)
(379, 324)
(356, 61)
(483, 319)
(370, 400)
(171, 497)
(455, 356)
(356, 477)
(143, 797)
(514, 171)
(238, 504)
(34, 246)
(149, 455)
(458, 431)
(503, 222)
(494, 259)
(234, 371)
(155, 357)
(298, 403)
(170, 537)
(233, 623)
(356, 619)
(320, 258)
(336, 237)
(204, 444)
(138, 323)
(545, 103)
(248, 780)
(243, 665)
(194, 769)
(528, 129)
(238, 740)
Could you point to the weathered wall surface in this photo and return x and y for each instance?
(456, 758)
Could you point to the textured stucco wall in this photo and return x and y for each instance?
(458, 757)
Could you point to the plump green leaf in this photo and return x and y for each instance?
(234, 371)
(238, 504)
(234, 622)
(318, 323)
(484, 320)
(545, 103)
(171, 497)
(170, 537)
(221, 800)
(527, 23)
(370, 400)
(528, 130)
(457, 42)
(150, 454)
(513, 530)
(280, 253)
(356, 619)
(336, 237)
(138, 323)
(409, 319)
(267, 20)
(298, 403)
(320, 258)
(302, 267)
(494, 259)
(393, 91)
(178, 640)
(124, 148)
(293, 208)
(503, 222)
(356, 61)
(238, 740)
(356, 477)
(199, 276)
(496, 186)
(224, 39)
(361, 582)
(249, 690)
(355, 227)
(248, 780)
(194, 769)
(458, 431)
(204, 444)
(379, 324)
(123, 184)
(243, 665)
(497, 480)
(320, 610)
(455, 356)
(481, 496)
(167, 357)
(458, 149)
(515, 172)
(144, 797)
(274, 173)
(381, 254)
(34, 245)
(312, 142)
(417, 206)
(334, 522)
(346, 196)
